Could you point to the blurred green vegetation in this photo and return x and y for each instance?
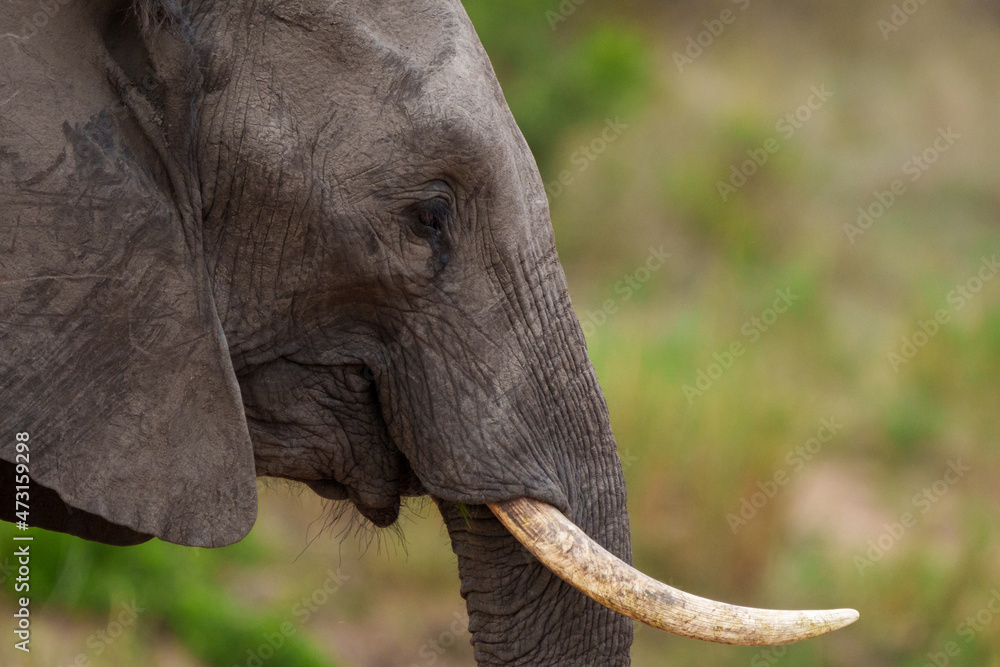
(826, 538)
(161, 588)
(556, 79)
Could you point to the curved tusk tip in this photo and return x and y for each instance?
(841, 618)
(787, 627)
(815, 623)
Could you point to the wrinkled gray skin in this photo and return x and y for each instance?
(297, 239)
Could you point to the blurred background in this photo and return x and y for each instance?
(779, 225)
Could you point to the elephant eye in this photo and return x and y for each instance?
(429, 220)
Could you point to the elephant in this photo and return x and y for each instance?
(306, 240)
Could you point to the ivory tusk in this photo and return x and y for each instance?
(580, 561)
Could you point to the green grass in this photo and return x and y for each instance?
(170, 590)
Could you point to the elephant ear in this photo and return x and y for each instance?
(113, 360)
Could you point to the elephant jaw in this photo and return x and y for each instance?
(584, 564)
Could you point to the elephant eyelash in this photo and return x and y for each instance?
(431, 221)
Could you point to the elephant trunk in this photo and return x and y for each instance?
(520, 611)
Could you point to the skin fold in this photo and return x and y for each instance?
(303, 240)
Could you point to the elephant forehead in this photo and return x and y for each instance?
(419, 59)
(424, 34)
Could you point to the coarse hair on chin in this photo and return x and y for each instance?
(340, 519)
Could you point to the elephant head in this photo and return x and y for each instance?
(306, 240)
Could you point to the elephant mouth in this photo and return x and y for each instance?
(569, 553)
(382, 514)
